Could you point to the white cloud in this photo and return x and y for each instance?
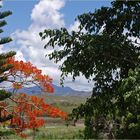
(45, 14)
(74, 27)
(19, 56)
(1, 48)
(1, 3)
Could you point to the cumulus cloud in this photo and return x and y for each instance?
(45, 15)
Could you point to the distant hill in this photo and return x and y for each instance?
(58, 91)
(67, 91)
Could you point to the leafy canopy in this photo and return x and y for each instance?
(105, 48)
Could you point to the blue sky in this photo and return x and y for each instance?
(21, 9)
(31, 17)
(20, 19)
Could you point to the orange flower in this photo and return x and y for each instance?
(28, 70)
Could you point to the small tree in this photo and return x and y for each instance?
(24, 108)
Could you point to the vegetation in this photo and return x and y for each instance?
(106, 50)
(56, 128)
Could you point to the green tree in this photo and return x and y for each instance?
(103, 50)
(3, 67)
(130, 90)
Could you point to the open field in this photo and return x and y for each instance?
(65, 103)
(53, 132)
(61, 132)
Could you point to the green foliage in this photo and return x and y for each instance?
(3, 68)
(103, 51)
(4, 94)
(5, 133)
(130, 90)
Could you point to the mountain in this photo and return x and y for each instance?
(67, 91)
(58, 91)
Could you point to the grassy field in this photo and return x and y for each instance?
(65, 103)
(52, 132)
(60, 132)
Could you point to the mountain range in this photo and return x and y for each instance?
(58, 91)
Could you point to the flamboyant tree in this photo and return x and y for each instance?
(19, 110)
(26, 109)
(104, 49)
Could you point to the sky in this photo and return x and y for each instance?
(32, 16)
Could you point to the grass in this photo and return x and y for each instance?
(60, 132)
(52, 132)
